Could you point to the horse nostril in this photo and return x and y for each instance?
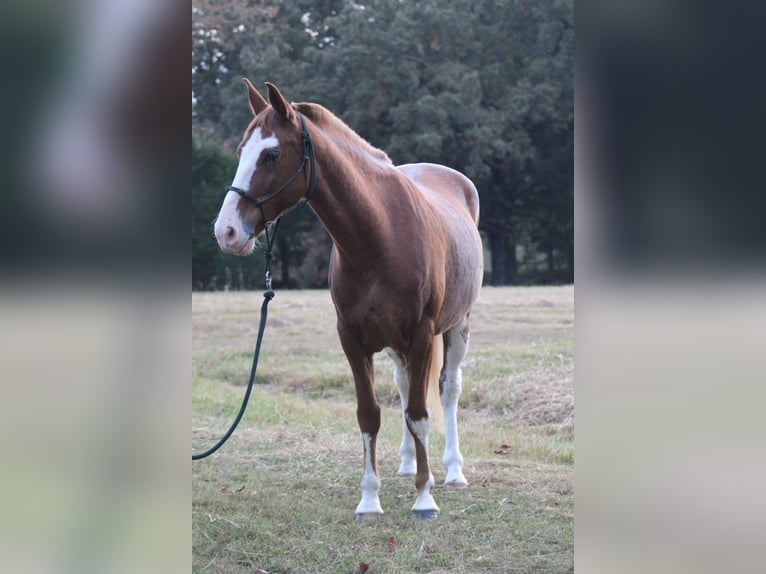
(230, 233)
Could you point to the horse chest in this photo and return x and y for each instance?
(380, 314)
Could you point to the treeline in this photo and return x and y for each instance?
(483, 86)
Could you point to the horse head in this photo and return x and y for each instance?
(274, 152)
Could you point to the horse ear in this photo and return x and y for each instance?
(257, 103)
(279, 103)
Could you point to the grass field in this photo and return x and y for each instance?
(279, 497)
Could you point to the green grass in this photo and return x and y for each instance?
(280, 495)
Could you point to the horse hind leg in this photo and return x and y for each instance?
(408, 465)
(450, 383)
(418, 422)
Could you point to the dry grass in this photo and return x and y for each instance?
(280, 495)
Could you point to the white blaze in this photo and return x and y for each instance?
(249, 157)
(229, 214)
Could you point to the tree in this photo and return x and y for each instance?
(484, 86)
(210, 167)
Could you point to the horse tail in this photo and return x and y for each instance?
(434, 403)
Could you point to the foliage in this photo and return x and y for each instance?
(209, 166)
(484, 86)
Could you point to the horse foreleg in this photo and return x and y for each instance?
(368, 416)
(416, 416)
(455, 348)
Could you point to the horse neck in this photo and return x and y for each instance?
(348, 200)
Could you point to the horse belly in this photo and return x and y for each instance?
(454, 210)
(463, 276)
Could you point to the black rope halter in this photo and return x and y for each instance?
(308, 155)
(309, 179)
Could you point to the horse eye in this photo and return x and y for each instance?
(270, 156)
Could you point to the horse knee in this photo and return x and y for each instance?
(368, 417)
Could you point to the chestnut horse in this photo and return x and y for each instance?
(405, 270)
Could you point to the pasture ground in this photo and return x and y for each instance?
(279, 497)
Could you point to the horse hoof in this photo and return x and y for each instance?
(367, 516)
(425, 514)
(405, 473)
(456, 484)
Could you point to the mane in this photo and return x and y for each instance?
(327, 119)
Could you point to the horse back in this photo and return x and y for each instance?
(451, 184)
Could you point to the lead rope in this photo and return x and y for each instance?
(268, 295)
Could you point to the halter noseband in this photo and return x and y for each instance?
(308, 155)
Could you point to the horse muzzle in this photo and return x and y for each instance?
(233, 240)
